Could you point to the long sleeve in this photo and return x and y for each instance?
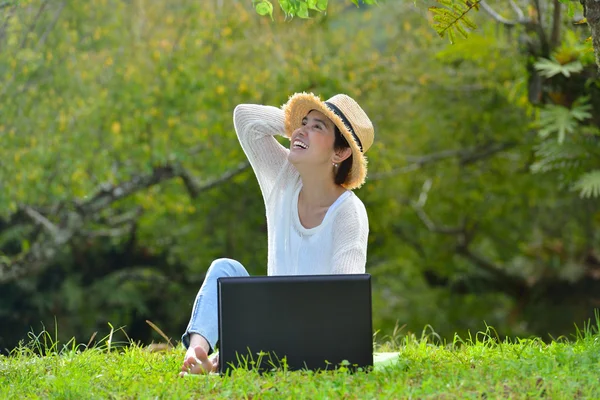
(256, 126)
(350, 237)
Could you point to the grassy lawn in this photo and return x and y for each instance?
(478, 367)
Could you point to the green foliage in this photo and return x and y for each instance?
(561, 120)
(553, 155)
(452, 18)
(112, 102)
(575, 160)
(549, 68)
(299, 8)
(114, 89)
(264, 7)
(571, 7)
(589, 184)
(574, 47)
(569, 128)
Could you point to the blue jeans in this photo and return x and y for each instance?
(204, 320)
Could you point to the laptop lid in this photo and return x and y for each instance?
(314, 321)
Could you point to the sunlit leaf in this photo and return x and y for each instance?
(264, 7)
(550, 68)
(588, 184)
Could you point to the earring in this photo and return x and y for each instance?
(335, 165)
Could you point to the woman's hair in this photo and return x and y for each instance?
(344, 169)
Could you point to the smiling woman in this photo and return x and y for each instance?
(319, 123)
(324, 136)
(316, 224)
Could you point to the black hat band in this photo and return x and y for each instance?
(340, 114)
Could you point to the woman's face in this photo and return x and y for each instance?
(312, 143)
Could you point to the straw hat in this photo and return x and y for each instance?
(346, 114)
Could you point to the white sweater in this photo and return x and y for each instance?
(338, 245)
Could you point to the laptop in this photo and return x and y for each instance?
(314, 322)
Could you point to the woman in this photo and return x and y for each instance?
(316, 225)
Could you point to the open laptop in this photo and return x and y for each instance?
(316, 322)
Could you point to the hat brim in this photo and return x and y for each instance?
(299, 105)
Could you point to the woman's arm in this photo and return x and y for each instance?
(350, 238)
(255, 126)
(351, 260)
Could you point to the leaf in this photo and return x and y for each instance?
(588, 184)
(580, 109)
(552, 156)
(451, 36)
(452, 18)
(468, 22)
(562, 120)
(265, 7)
(550, 68)
(570, 9)
(322, 5)
(462, 31)
(556, 119)
(303, 10)
(287, 7)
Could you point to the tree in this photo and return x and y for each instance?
(103, 97)
(563, 92)
(561, 80)
(453, 17)
(119, 153)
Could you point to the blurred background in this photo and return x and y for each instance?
(121, 177)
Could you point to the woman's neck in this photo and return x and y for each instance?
(319, 190)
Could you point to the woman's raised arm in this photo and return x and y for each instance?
(255, 126)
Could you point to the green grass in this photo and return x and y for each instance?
(479, 367)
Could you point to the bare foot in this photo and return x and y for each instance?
(197, 362)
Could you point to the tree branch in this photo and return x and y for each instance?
(591, 12)
(29, 263)
(509, 284)
(72, 223)
(539, 28)
(194, 187)
(466, 156)
(39, 219)
(34, 23)
(518, 11)
(431, 226)
(107, 194)
(51, 25)
(556, 23)
(416, 163)
(473, 157)
(448, 230)
(497, 16)
(7, 18)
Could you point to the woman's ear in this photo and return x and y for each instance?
(340, 155)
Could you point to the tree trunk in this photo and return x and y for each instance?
(591, 11)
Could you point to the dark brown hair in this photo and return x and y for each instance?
(344, 168)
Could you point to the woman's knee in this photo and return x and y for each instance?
(225, 267)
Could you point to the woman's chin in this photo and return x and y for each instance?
(294, 158)
(301, 157)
